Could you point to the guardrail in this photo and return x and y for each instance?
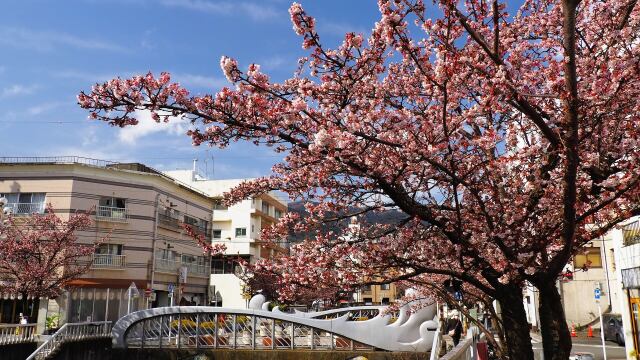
(467, 348)
(16, 333)
(72, 332)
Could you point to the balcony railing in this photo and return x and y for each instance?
(169, 222)
(109, 213)
(15, 333)
(195, 269)
(108, 261)
(26, 208)
(167, 265)
(172, 266)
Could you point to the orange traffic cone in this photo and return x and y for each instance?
(589, 331)
(573, 331)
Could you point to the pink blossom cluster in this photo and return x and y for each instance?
(496, 142)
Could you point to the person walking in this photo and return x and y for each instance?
(454, 329)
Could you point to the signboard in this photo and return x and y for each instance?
(171, 287)
(133, 291)
(596, 293)
(182, 274)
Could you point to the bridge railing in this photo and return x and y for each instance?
(72, 332)
(16, 333)
(233, 331)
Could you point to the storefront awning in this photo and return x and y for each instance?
(631, 278)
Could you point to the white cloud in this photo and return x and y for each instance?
(42, 108)
(17, 89)
(48, 40)
(82, 75)
(255, 11)
(194, 80)
(146, 126)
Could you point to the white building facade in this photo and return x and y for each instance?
(238, 227)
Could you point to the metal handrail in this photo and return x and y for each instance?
(167, 264)
(111, 213)
(17, 333)
(26, 208)
(71, 332)
(108, 261)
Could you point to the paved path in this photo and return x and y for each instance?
(593, 345)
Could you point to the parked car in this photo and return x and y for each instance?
(612, 328)
(582, 356)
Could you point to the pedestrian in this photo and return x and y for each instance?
(454, 329)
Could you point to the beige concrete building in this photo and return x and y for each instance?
(384, 294)
(238, 227)
(142, 210)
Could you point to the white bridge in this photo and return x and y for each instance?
(356, 328)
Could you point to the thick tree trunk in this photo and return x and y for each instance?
(556, 339)
(516, 327)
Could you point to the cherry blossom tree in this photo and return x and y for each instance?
(507, 140)
(40, 254)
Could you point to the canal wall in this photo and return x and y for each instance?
(229, 354)
(17, 351)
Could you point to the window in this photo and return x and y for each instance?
(588, 258)
(112, 209)
(366, 288)
(189, 259)
(217, 234)
(196, 223)
(25, 203)
(241, 232)
(253, 228)
(112, 202)
(278, 214)
(385, 287)
(165, 254)
(109, 249)
(265, 207)
(218, 205)
(227, 265)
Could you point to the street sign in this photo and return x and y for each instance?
(182, 274)
(171, 287)
(596, 293)
(133, 290)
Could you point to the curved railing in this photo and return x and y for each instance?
(72, 332)
(213, 327)
(232, 330)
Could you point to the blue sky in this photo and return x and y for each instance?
(50, 50)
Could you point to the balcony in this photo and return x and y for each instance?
(108, 261)
(112, 214)
(172, 266)
(169, 222)
(26, 208)
(197, 270)
(167, 265)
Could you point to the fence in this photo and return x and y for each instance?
(72, 332)
(233, 331)
(16, 333)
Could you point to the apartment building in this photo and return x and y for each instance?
(626, 240)
(141, 209)
(383, 294)
(238, 227)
